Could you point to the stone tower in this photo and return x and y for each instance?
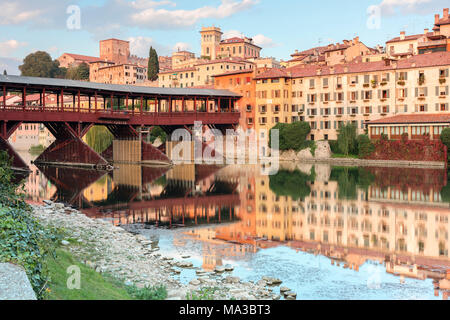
(211, 37)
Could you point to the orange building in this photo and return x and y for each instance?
(241, 82)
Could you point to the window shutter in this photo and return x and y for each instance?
(388, 76)
(335, 111)
(334, 96)
(307, 111)
(406, 75)
(406, 92)
(370, 94)
(321, 111)
(437, 106)
(426, 91)
(437, 91)
(388, 93)
(357, 108)
(321, 124)
(446, 90)
(309, 98)
(379, 109)
(357, 79)
(321, 97)
(416, 108)
(379, 94)
(396, 76)
(335, 125)
(417, 92)
(406, 108)
(426, 108)
(446, 72)
(446, 107)
(370, 110)
(348, 110)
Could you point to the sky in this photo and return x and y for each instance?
(279, 26)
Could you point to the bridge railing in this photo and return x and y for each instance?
(41, 108)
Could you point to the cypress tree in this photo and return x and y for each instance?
(153, 65)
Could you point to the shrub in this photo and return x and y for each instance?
(334, 147)
(365, 146)
(23, 241)
(292, 136)
(157, 132)
(148, 293)
(445, 137)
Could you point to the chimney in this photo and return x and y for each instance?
(445, 13)
(425, 31)
(402, 35)
(436, 19)
(356, 40)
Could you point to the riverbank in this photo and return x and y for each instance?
(352, 162)
(135, 260)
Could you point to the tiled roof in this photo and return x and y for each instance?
(82, 58)
(274, 73)
(413, 119)
(311, 51)
(411, 37)
(339, 46)
(234, 72)
(417, 61)
(234, 60)
(443, 21)
(178, 70)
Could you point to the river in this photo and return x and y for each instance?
(327, 232)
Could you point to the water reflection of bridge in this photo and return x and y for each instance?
(185, 195)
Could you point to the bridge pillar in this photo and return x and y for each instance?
(127, 148)
(7, 128)
(69, 149)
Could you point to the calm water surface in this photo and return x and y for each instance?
(327, 232)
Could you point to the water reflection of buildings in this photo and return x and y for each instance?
(182, 196)
(408, 232)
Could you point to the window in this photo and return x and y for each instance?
(325, 82)
(311, 83)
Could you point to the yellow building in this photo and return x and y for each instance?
(357, 92)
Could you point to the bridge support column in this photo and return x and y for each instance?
(126, 148)
(7, 128)
(69, 149)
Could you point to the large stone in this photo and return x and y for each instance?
(195, 282)
(219, 269)
(14, 283)
(232, 280)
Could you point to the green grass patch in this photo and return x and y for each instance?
(343, 156)
(37, 150)
(94, 286)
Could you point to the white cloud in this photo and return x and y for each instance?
(166, 19)
(140, 46)
(263, 41)
(182, 46)
(13, 12)
(9, 46)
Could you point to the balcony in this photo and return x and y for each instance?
(432, 43)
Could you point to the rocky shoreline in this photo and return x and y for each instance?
(136, 260)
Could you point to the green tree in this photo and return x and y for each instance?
(365, 146)
(292, 136)
(445, 137)
(99, 138)
(39, 64)
(157, 132)
(80, 72)
(153, 65)
(347, 138)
